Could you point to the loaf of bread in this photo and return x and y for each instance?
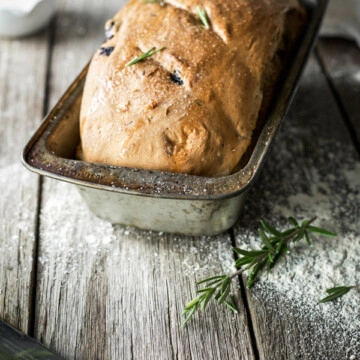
(191, 103)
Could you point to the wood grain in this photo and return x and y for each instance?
(309, 151)
(343, 72)
(22, 82)
(109, 292)
(113, 292)
(105, 291)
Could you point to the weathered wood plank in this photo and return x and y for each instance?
(113, 292)
(341, 59)
(109, 292)
(22, 82)
(313, 170)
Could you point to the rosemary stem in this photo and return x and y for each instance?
(286, 240)
(291, 236)
(274, 244)
(236, 273)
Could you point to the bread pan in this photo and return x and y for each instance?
(160, 201)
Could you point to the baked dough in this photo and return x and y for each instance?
(191, 107)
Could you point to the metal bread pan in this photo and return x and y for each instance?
(160, 201)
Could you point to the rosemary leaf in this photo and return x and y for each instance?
(203, 17)
(145, 55)
(250, 253)
(191, 304)
(242, 261)
(225, 284)
(254, 261)
(320, 231)
(224, 291)
(270, 229)
(305, 223)
(279, 247)
(254, 273)
(207, 297)
(231, 304)
(224, 294)
(212, 283)
(191, 313)
(299, 236)
(335, 293)
(288, 232)
(265, 239)
(293, 221)
(160, 2)
(219, 277)
(277, 257)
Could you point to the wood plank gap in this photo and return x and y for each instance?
(172, 348)
(338, 100)
(245, 301)
(34, 277)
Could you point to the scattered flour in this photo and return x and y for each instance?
(17, 187)
(209, 251)
(329, 190)
(64, 219)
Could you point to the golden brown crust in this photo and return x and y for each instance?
(193, 106)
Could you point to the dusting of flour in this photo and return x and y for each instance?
(327, 187)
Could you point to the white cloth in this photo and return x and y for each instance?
(18, 5)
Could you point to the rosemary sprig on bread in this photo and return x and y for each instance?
(160, 2)
(144, 55)
(203, 17)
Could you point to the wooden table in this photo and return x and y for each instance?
(91, 290)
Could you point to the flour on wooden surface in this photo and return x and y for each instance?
(97, 239)
(17, 238)
(17, 183)
(330, 190)
(217, 254)
(58, 229)
(17, 186)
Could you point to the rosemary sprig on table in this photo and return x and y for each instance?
(274, 247)
(203, 17)
(335, 293)
(220, 285)
(145, 55)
